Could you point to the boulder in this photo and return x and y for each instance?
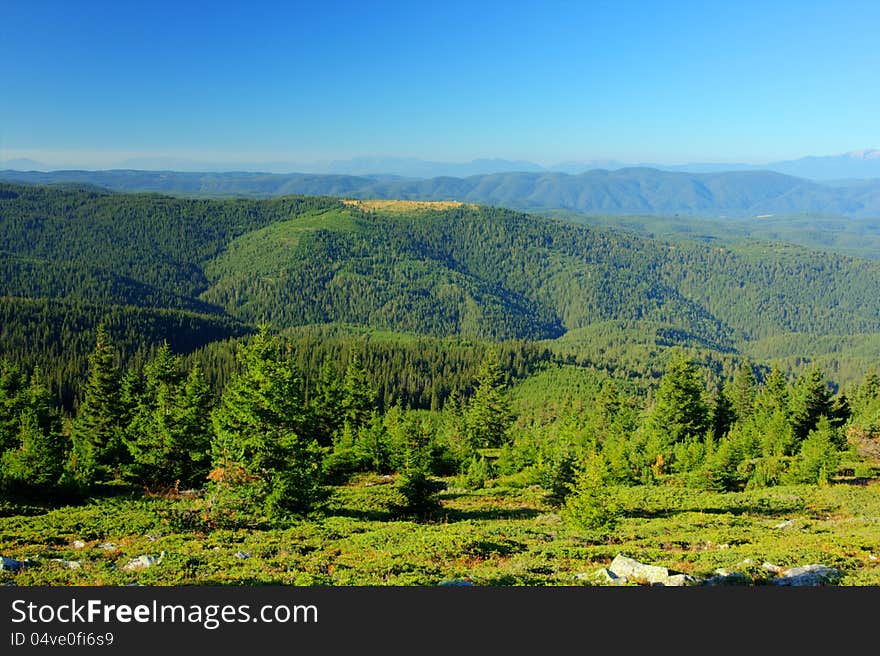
(603, 576)
(633, 570)
(679, 581)
(142, 562)
(725, 577)
(809, 575)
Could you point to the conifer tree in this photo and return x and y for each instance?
(358, 395)
(263, 459)
(169, 435)
(744, 392)
(679, 411)
(810, 400)
(488, 417)
(98, 448)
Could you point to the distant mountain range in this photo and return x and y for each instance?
(859, 164)
(647, 191)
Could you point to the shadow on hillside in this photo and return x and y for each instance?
(457, 515)
(752, 509)
(364, 515)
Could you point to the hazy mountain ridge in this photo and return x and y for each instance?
(856, 165)
(623, 191)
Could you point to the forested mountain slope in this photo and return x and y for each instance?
(434, 269)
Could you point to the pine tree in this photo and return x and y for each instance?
(262, 458)
(34, 458)
(358, 395)
(810, 400)
(98, 447)
(487, 416)
(36, 467)
(169, 435)
(744, 392)
(12, 387)
(679, 411)
(722, 414)
(818, 457)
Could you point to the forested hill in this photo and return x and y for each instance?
(619, 192)
(434, 269)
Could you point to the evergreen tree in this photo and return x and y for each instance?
(722, 414)
(487, 417)
(36, 467)
(169, 435)
(679, 411)
(744, 392)
(774, 394)
(592, 504)
(262, 458)
(33, 460)
(326, 410)
(12, 388)
(358, 395)
(818, 457)
(810, 400)
(98, 447)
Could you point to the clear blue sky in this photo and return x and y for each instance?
(543, 81)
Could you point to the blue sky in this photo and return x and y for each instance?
(673, 82)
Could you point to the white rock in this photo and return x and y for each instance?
(142, 562)
(814, 574)
(679, 580)
(633, 570)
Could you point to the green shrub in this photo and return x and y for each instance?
(592, 504)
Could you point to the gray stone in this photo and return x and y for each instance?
(770, 567)
(107, 546)
(456, 582)
(808, 575)
(785, 524)
(604, 576)
(679, 580)
(726, 577)
(78, 544)
(633, 570)
(142, 562)
(69, 564)
(241, 555)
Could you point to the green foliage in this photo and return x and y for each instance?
(97, 434)
(169, 435)
(592, 504)
(810, 400)
(679, 411)
(487, 417)
(262, 460)
(37, 466)
(818, 458)
(477, 473)
(419, 489)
